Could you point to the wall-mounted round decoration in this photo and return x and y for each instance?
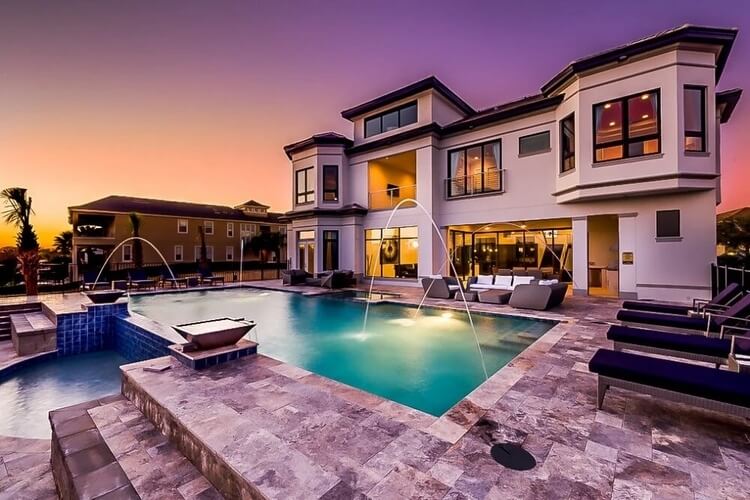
(389, 251)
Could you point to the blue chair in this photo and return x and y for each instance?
(721, 301)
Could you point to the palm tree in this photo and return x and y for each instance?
(18, 213)
(135, 224)
(263, 244)
(203, 260)
(63, 243)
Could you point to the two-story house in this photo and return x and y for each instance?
(608, 178)
(102, 226)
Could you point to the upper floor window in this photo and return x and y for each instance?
(230, 229)
(475, 169)
(304, 186)
(208, 227)
(627, 127)
(330, 183)
(568, 143)
(695, 118)
(533, 144)
(391, 119)
(182, 226)
(247, 230)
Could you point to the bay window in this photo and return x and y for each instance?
(568, 143)
(695, 118)
(304, 186)
(330, 183)
(628, 127)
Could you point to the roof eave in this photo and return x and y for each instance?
(726, 101)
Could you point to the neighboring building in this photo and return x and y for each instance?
(733, 231)
(172, 226)
(614, 168)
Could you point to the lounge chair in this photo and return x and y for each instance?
(721, 301)
(537, 296)
(294, 277)
(733, 321)
(207, 277)
(89, 278)
(439, 287)
(173, 282)
(138, 279)
(677, 345)
(695, 385)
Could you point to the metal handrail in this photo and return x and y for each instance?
(490, 181)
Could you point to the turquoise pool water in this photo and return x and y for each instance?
(428, 362)
(29, 394)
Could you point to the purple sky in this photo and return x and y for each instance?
(154, 98)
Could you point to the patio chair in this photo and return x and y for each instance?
(439, 287)
(173, 282)
(695, 385)
(294, 277)
(207, 277)
(722, 300)
(733, 321)
(324, 280)
(676, 345)
(89, 277)
(538, 297)
(138, 279)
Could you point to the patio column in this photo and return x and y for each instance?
(580, 256)
(627, 267)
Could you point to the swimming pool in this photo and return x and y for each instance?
(29, 394)
(428, 362)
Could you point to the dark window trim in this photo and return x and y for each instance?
(334, 191)
(563, 156)
(481, 146)
(702, 134)
(549, 143)
(397, 110)
(626, 140)
(665, 237)
(303, 194)
(331, 266)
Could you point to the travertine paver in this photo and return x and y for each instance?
(25, 471)
(310, 433)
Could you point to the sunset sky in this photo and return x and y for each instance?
(194, 100)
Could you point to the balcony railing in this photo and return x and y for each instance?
(491, 181)
(389, 198)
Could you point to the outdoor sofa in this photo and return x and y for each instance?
(695, 385)
(294, 277)
(732, 321)
(497, 282)
(539, 296)
(439, 287)
(332, 279)
(721, 301)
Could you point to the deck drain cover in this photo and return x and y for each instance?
(512, 456)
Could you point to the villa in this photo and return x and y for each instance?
(592, 180)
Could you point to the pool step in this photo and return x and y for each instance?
(7, 309)
(107, 448)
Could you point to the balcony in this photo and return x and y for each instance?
(489, 182)
(387, 199)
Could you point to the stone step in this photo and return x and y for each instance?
(108, 448)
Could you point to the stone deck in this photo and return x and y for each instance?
(293, 434)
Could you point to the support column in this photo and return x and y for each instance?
(627, 243)
(580, 256)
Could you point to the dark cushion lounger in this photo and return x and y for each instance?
(682, 382)
(724, 297)
(694, 347)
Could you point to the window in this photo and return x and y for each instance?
(230, 229)
(568, 143)
(178, 253)
(197, 253)
(247, 230)
(534, 143)
(668, 224)
(474, 170)
(627, 127)
(330, 183)
(305, 186)
(127, 253)
(208, 227)
(210, 253)
(182, 226)
(392, 253)
(305, 235)
(695, 118)
(230, 253)
(330, 250)
(391, 119)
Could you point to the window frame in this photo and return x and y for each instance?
(335, 191)
(129, 247)
(397, 110)
(626, 141)
(230, 229)
(465, 150)
(181, 253)
(307, 197)
(669, 237)
(334, 252)
(208, 224)
(540, 151)
(187, 226)
(229, 253)
(210, 253)
(572, 118)
(703, 134)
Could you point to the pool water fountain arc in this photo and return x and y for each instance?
(453, 267)
(131, 238)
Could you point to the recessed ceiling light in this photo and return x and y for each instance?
(645, 96)
(476, 157)
(644, 116)
(611, 124)
(607, 106)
